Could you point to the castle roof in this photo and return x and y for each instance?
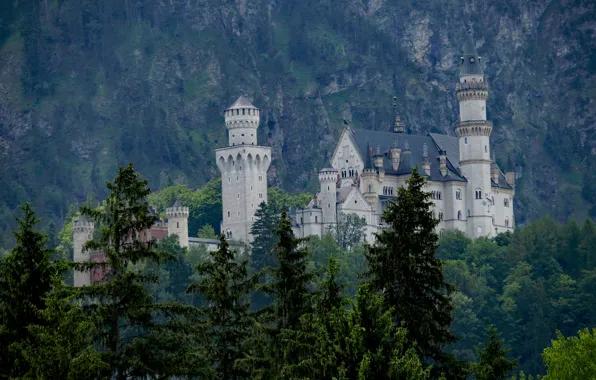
(470, 62)
(82, 218)
(241, 102)
(176, 203)
(412, 154)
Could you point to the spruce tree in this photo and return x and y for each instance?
(26, 278)
(404, 268)
(492, 358)
(264, 237)
(225, 286)
(138, 337)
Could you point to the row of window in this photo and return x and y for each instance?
(436, 195)
(238, 178)
(245, 111)
(387, 190)
(349, 173)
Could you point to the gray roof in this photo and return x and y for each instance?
(176, 203)
(342, 193)
(470, 63)
(241, 102)
(152, 212)
(414, 156)
(82, 218)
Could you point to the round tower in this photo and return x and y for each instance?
(369, 180)
(82, 231)
(328, 195)
(474, 133)
(242, 121)
(178, 222)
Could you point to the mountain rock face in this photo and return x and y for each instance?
(88, 84)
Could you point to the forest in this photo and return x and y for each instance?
(411, 305)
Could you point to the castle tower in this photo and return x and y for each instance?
(178, 222)
(474, 132)
(243, 166)
(369, 180)
(328, 195)
(82, 231)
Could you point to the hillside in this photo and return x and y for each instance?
(88, 84)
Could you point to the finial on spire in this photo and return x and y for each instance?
(378, 150)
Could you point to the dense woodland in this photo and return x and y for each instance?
(409, 306)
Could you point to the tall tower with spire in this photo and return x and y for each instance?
(473, 131)
(243, 165)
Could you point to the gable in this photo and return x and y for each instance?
(355, 201)
(347, 155)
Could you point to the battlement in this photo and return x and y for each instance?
(476, 90)
(328, 175)
(177, 212)
(474, 128)
(82, 225)
(473, 85)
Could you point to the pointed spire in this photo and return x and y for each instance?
(398, 126)
(425, 150)
(378, 152)
(470, 61)
(368, 163)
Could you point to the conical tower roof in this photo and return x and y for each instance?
(368, 162)
(470, 62)
(241, 102)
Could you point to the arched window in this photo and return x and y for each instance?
(479, 230)
(458, 194)
(478, 194)
(459, 215)
(465, 140)
(506, 221)
(343, 173)
(316, 219)
(440, 215)
(229, 214)
(506, 202)
(370, 188)
(177, 224)
(468, 213)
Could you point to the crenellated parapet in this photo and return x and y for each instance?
(474, 128)
(474, 90)
(177, 212)
(328, 175)
(82, 225)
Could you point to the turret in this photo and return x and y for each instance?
(82, 231)
(369, 179)
(494, 171)
(398, 126)
(443, 162)
(328, 194)
(425, 160)
(178, 222)
(242, 121)
(474, 133)
(395, 155)
(379, 163)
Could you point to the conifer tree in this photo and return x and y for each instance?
(264, 236)
(492, 358)
(225, 286)
(26, 277)
(404, 268)
(138, 337)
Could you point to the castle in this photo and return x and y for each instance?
(469, 191)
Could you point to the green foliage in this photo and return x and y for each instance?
(282, 201)
(122, 305)
(26, 278)
(264, 237)
(403, 266)
(349, 230)
(225, 286)
(573, 357)
(493, 363)
(207, 232)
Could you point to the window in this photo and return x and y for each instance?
(260, 195)
(237, 178)
(478, 193)
(434, 215)
(485, 149)
(316, 219)
(479, 230)
(301, 220)
(506, 221)
(465, 140)
(459, 215)
(328, 205)
(468, 213)
(506, 202)
(440, 215)
(238, 213)
(229, 214)
(458, 194)
(343, 173)
(229, 179)
(370, 188)
(177, 224)
(328, 188)
(250, 187)
(238, 195)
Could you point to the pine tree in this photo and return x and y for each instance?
(138, 337)
(264, 237)
(225, 286)
(26, 277)
(404, 268)
(492, 358)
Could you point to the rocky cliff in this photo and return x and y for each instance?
(88, 84)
